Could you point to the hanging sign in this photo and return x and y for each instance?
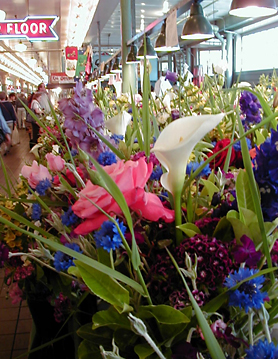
(32, 28)
(59, 78)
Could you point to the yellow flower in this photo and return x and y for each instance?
(9, 205)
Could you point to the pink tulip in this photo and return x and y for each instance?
(35, 174)
(131, 177)
(55, 163)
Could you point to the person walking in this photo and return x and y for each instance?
(7, 132)
(44, 99)
(38, 110)
(8, 112)
(20, 110)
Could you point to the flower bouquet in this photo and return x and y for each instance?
(172, 227)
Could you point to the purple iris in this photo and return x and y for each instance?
(171, 76)
(247, 252)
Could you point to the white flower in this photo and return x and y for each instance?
(118, 124)
(162, 118)
(55, 149)
(175, 144)
(221, 67)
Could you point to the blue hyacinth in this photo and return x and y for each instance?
(62, 261)
(43, 186)
(262, 350)
(248, 295)
(108, 237)
(107, 158)
(69, 218)
(36, 212)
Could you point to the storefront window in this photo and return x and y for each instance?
(209, 58)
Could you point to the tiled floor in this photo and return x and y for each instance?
(15, 320)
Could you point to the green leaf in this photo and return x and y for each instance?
(223, 230)
(101, 336)
(126, 339)
(209, 188)
(239, 229)
(259, 138)
(143, 350)
(189, 229)
(110, 318)
(163, 314)
(104, 286)
(243, 192)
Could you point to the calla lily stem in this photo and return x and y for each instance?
(178, 216)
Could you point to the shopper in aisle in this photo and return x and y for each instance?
(7, 132)
(8, 113)
(39, 111)
(12, 98)
(44, 99)
(20, 110)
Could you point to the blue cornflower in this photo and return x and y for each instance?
(156, 174)
(62, 261)
(69, 217)
(248, 294)
(262, 350)
(117, 138)
(237, 146)
(108, 236)
(193, 166)
(107, 158)
(43, 186)
(36, 212)
(250, 107)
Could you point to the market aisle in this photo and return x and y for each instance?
(15, 320)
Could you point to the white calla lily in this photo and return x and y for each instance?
(175, 144)
(118, 124)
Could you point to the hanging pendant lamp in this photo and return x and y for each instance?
(253, 8)
(160, 43)
(150, 53)
(197, 27)
(116, 66)
(132, 56)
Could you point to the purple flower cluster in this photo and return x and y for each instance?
(250, 108)
(214, 260)
(79, 112)
(214, 265)
(266, 174)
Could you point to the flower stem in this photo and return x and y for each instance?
(250, 326)
(263, 320)
(178, 216)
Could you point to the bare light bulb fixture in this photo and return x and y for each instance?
(253, 8)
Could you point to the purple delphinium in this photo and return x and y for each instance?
(4, 254)
(250, 108)
(79, 112)
(247, 252)
(171, 76)
(266, 174)
(175, 114)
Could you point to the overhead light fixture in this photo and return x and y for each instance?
(253, 8)
(116, 66)
(160, 43)
(20, 47)
(2, 15)
(150, 52)
(197, 26)
(132, 56)
(32, 62)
